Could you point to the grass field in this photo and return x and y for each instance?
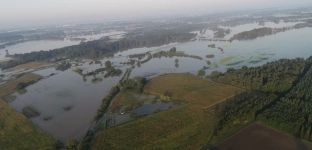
(188, 126)
(9, 87)
(18, 132)
(30, 65)
(258, 137)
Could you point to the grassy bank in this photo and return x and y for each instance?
(188, 126)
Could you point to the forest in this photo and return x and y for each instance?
(280, 97)
(292, 114)
(252, 34)
(276, 77)
(102, 47)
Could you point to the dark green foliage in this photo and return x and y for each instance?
(293, 113)
(134, 86)
(277, 76)
(241, 109)
(253, 34)
(21, 85)
(171, 54)
(63, 66)
(108, 64)
(71, 144)
(201, 73)
(111, 72)
(105, 103)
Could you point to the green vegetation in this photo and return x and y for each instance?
(210, 56)
(201, 73)
(97, 80)
(292, 114)
(238, 111)
(185, 127)
(172, 54)
(105, 103)
(225, 60)
(71, 144)
(277, 76)
(63, 66)
(252, 34)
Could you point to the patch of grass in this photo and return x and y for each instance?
(225, 60)
(18, 132)
(189, 126)
(9, 88)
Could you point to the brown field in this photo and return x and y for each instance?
(30, 65)
(258, 137)
(188, 126)
(9, 87)
(18, 132)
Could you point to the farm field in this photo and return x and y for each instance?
(258, 137)
(18, 132)
(189, 126)
(30, 65)
(9, 87)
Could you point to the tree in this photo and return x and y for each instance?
(71, 143)
(201, 73)
(108, 64)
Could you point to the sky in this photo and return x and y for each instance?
(28, 13)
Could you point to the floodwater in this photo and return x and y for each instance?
(46, 45)
(67, 89)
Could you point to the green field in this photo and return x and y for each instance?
(188, 126)
(16, 131)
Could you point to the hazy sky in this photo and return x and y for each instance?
(26, 13)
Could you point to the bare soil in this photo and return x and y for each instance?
(259, 137)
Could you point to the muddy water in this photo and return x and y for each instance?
(68, 89)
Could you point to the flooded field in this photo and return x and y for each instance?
(67, 102)
(46, 45)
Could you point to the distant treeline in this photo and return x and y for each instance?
(253, 34)
(101, 48)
